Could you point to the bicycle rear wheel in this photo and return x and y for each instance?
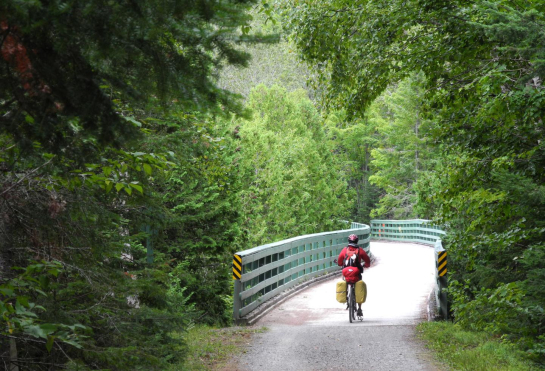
(350, 311)
(353, 309)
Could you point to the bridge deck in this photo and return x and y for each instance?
(311, 331)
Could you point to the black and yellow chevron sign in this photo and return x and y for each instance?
(442, 263)
(237, 267)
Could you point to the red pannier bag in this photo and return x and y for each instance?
(351, 274)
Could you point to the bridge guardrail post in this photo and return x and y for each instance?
(441, 276)
(236, 301)
(237, 273)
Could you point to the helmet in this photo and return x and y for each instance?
(353, 238)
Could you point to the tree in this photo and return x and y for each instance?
(195, 210)
(402, 155)
(81, 297)
(67, 65)
(271, 64)
(94, 102)
(484, 65)
(355, 139)
(292, 184)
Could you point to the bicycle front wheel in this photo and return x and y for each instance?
(353, 309)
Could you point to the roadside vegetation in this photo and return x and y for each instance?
(213, 348)
(461, 349)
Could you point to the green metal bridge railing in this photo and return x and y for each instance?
(414, 230)
(265, 271)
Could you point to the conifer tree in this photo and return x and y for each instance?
(90, 92)
(68, 66)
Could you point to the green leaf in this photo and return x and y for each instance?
(119, 186)
(49, 343)
(107, 170)
(23, 300)
(6, 291)
(19, 309)
(133, 121)
(147, 168)
(54, 272)
(36, 331)
(137, 187)
(49, 328)
(128, 190)
(73, 343)
(44, 282)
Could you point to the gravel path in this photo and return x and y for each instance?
(311, 331)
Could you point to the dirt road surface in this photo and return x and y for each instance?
(311, 331)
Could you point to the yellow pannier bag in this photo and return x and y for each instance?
(341, 292)
(361, 292)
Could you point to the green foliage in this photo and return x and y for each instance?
(94, 229)
(104, 173)
(484, 65)
(391, 159)
(75, 226)
(212, 348)
(471, 350)
(271, 64)
(69, 68)
(402, 157)
(20, 312)
(354, 141)
(198, 225)
(493, 311)
(292, 182)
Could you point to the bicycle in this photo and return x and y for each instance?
(351, 301)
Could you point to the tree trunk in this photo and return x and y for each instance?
(13, 355)
(416, 125)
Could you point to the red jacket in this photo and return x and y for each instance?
(363, 256)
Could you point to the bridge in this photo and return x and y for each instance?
(289, 286)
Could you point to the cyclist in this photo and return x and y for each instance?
(361, 255)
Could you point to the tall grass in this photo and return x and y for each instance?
(467, 350)
(211, 348)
